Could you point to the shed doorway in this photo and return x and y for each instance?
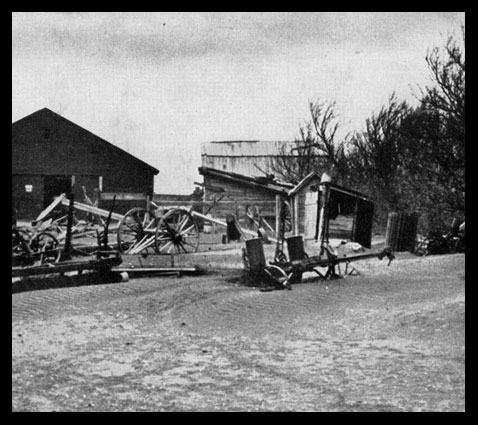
(311, 214)
(54, 186)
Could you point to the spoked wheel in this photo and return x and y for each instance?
(177, 233)
(45, 248)
(279, 277)
(20, 248)
(136, 232)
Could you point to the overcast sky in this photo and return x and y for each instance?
(160, 84)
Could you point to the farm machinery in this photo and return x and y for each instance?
(285, 269)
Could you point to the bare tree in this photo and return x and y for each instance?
(325, 123)
(377, 153)
(445, 104)
(295, 162)
(437, 141)
(447, 67)
(316, 147)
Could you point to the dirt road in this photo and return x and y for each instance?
(392, 339)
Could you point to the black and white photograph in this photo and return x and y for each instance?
(238, 211)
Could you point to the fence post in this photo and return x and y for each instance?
(69, 225)
(278, 214)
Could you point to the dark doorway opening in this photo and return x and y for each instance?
(55, 186)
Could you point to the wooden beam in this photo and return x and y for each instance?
(101, 264)
(224, 224)
(296, 219)
(92, 210)
(50, 207)
(278, 214)
(123, 196)
(211, 188)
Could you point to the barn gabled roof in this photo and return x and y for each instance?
(49, 113)
(259, 182)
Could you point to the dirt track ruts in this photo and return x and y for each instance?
(391, 339)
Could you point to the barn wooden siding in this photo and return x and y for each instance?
(46, 144)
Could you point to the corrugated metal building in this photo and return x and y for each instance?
(249, 158)
(52, 155)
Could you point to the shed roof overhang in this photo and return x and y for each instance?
(258, 182)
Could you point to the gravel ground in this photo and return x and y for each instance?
(391, 339)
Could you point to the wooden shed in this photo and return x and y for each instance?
(52, 155)
(235, 193)
(349, 213)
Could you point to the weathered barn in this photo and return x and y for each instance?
(52, 155)
(236, 193)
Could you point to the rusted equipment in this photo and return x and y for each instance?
(258, 270)
(36, 251)
(290, 270)
(222, 223)
(141, 230)
(436, 242)
(159, 271)
(283, 224)
(35, 247)
(233, 233)
(327, 259)
(295, 248)
(103, 264)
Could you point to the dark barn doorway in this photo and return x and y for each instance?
(54, 186)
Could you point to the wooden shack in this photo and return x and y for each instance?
(233, 193)
(349, 213)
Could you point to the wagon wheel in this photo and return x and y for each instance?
(279, 277)
(45, 248)
(136, 231)
(177, 233)
(20, 240)
(20, 247)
